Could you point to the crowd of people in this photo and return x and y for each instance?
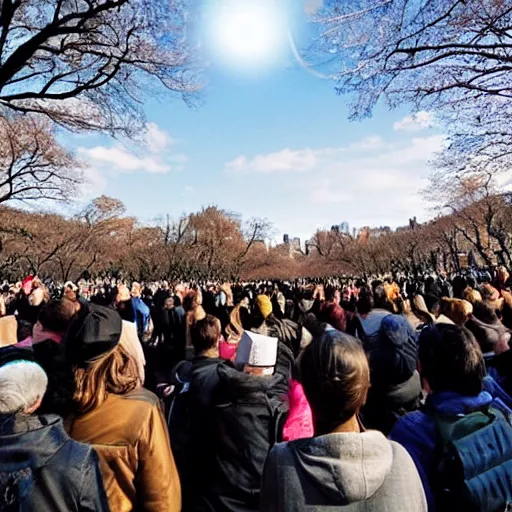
(385, 394)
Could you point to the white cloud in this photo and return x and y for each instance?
(152, 155)
(416, 122)
(286, 160)
(373, 181)
(157, 139)
(122, 160)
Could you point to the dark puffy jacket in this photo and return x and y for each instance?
(41, 468)
(233, 420)
(396, 386)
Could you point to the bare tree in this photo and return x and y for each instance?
(86, 64)
(449, 56)
(33, 165)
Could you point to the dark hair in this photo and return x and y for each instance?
(380, 298)
(205, 334)
(451, 360)
(335, 374)
(330, 293)
(56, 315)
(484, 313)
(365, 301)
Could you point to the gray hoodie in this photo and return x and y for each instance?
(350, 472)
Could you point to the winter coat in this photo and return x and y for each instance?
(41, 468)
(417, 431)
(233, 419)
(58, 398)
(130, 436)
(354, 472)
(142, 315)
(396, 387)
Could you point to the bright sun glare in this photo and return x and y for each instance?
(247, 33)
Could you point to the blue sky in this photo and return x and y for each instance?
(272, 143)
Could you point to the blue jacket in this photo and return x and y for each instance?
(142, 315)
(417, 432)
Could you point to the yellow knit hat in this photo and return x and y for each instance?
(264, 305)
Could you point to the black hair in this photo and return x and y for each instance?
(365, 302)
(451, 360)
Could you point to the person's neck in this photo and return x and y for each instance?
(213, 353)
(39, 336)
(352, 425)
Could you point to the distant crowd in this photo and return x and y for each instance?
(386, 394)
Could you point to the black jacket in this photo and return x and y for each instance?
(42, 469)
(233, 420)
(58, 398)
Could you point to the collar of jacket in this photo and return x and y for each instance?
(448, 402)
(35, 437)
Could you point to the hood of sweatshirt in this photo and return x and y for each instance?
(347, 467)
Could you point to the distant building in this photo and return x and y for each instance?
(295, 244)
(341, 228)
(286, 239)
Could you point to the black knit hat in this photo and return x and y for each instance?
(93, 333)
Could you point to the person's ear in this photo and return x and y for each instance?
(33, 408)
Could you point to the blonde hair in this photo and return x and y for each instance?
(471, 295)
(235, 330)
(115, 372)
(457, 310)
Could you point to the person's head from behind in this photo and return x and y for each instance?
(457, 310)
(22, 387)
(380, 298)
(365, 302)
(332, 294)
(101, 364)
(335, 375)
(450, 360)
(205, 335)
(56, 316)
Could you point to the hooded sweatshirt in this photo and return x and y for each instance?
(353, 472)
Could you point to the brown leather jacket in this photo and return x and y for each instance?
(130, 436)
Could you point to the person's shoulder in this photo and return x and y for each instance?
(142, 395)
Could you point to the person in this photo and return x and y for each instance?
(193, 307)
(223, 426)
(47, 342)
(119, 418)
(41, 468)
(342, 466)
(453, 373)
(391, 345)
(234, 333)
(331, 312)
(141, 311)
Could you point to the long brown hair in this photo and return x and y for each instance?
(234, 329)
(115, 372)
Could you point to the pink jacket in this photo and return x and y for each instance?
(299, 424)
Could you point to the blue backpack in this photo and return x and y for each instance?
(475, 472)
